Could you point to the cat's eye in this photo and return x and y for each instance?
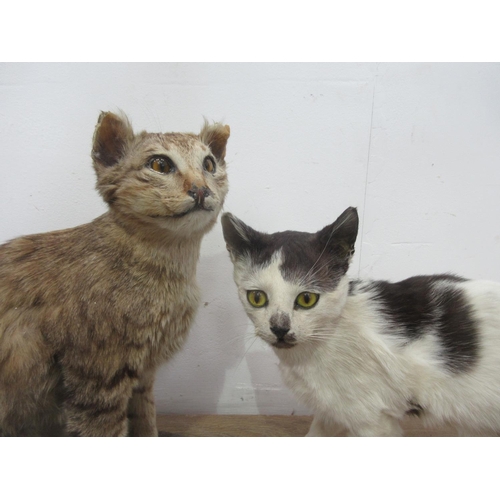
(209, 165)
(257, 298)
(161, 165)
(306, 300)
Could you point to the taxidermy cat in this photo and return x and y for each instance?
(363, 354)
(87, 314)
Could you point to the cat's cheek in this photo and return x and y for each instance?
(142, 202)
(219, 186)
(213, 205)
(260, 324)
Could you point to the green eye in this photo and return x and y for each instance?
(306, 300)
(161, 165)
(257, 298)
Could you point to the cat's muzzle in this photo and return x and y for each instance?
(280, 325)
(199, 195)
(284, 338)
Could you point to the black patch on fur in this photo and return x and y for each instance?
(353, 284)
(304, 259)
(301, 257)
(420, 305)
(414, 409)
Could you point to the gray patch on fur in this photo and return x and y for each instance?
(317, 260)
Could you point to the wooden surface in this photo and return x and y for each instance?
(262, 425)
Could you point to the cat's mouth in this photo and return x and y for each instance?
(196, 208)
(283, 344)
(199, 195)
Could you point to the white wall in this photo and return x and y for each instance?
(416, 147)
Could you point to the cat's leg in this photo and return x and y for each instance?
(96, 399)
(316, 429)
(381, 425)
(141, 408)
(29, 414)
(27, 392)
(52, 419)
(475, 432)
(324, 428)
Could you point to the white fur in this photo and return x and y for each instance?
(349, 372)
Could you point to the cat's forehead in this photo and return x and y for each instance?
(268, 277)
(296, 249)
(301, 259)
(285, 243)
(178, 143)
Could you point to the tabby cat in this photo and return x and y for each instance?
(362, 353)
(87, 314)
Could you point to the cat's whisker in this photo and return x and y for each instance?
(305, 282)
(325, 335)
(239, 339)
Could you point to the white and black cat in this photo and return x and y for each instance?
(366, 353)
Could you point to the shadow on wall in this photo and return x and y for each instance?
(272, 397)
(194, 380)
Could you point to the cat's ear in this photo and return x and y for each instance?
(237, 234)
(112, 135)
(215, 136)
(339, 238)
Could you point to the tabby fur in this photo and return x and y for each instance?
(87, 314)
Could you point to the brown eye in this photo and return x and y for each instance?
(161, 165)
(209, 165)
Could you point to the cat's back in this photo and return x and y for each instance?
(444, 331)
(425, 302)
(36, 267)
(445, 318)
(484, 299)
(33, 261)
(484, 295)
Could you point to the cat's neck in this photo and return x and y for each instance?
(150, 243)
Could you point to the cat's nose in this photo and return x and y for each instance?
(199, 194)
(280, 332)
